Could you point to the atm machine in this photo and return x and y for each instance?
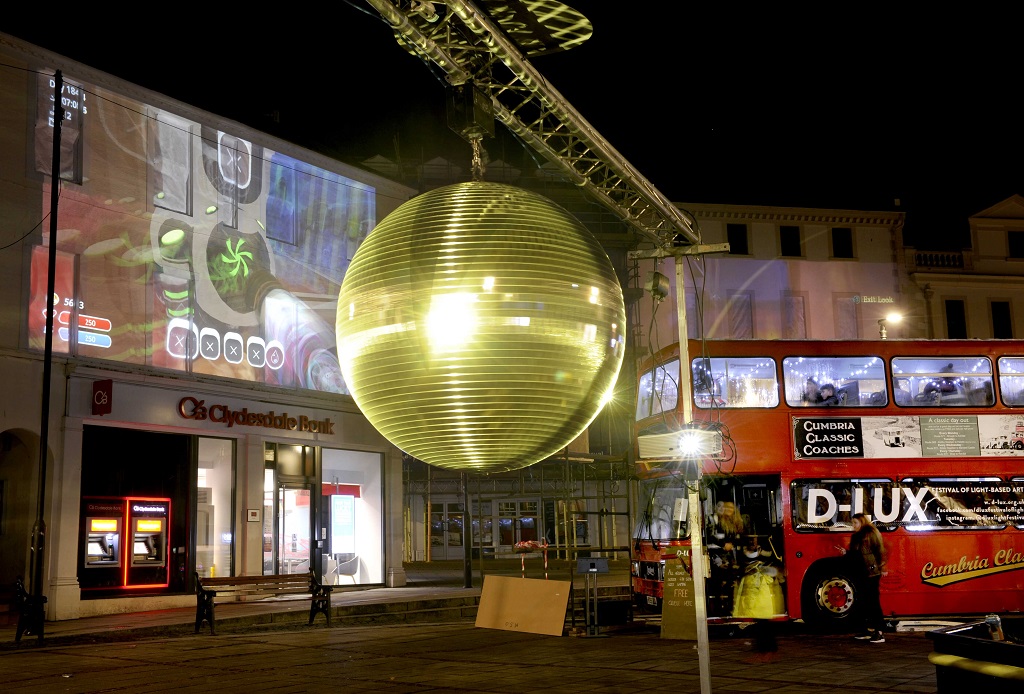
(148, 522)
(102, 548)
(124, 543)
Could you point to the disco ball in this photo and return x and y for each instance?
(480, 327)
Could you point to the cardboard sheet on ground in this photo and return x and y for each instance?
(523, 604)
(678, 605)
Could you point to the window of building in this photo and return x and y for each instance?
(170, 157)
(956, 319)
(789, 242)
(1002, 320)
(71, 129)
(1015, 244)
(842, 242)
(846, 316)
(794, 317)
(741, 315)
(694, 317)
(736, 235)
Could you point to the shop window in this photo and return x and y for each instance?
(351, 516)
(214, 485)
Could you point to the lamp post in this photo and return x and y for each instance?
(889, 318)
(693, 497)
(33, 618)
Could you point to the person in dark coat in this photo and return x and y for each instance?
(867, 558)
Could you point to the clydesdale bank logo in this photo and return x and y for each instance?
(192, 408)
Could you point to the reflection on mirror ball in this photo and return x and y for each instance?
(480, 327)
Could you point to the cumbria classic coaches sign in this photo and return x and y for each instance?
(932, 436)
(834, 437)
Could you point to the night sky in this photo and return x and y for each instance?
(728, 105)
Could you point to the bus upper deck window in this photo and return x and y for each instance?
(735, 382)
(817, 381)
(943, 381)
(658, 390)
(1011, 380)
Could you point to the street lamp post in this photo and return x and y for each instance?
(33, 617)
(693, 497)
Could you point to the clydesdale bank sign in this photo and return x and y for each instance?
(194, 408)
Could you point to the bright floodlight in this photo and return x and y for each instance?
(892, 317)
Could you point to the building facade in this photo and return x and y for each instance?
(977, 292)
(194, 413)
(789, 273)
(195, 419)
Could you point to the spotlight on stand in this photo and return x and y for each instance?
(889, 318)
(677, 448)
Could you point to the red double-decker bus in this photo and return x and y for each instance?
(925, 436)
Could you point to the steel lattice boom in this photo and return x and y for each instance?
(488, 50)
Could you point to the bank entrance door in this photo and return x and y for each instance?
(294, 525)
(289, 509)
(288, 536)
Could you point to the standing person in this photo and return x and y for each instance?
(759, 595)
(867, 555)
(725, 536)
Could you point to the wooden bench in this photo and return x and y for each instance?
(210, 590)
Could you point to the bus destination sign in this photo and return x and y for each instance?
(828, 437)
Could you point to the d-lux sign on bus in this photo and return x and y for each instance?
(914, 511)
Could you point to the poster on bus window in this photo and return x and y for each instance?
(940, 503)
(933, 436)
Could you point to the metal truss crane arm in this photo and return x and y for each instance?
(470, 47)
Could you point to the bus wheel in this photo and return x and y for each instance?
(828, 599)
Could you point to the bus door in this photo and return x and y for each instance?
(742, 522)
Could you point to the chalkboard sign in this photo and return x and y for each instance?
(679, 603)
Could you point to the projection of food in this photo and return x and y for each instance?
(480, 327)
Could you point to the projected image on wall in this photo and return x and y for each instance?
(197, 250)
